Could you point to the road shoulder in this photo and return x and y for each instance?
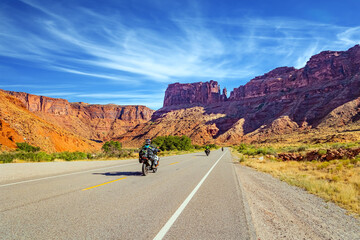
(281, 211)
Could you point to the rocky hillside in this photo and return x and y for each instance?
(96, 122)
(323, 94)
(17, 124)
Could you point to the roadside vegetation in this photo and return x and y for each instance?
(331, 171)
(170, 145)
(28, 153)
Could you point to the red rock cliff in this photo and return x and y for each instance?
(328, 67)
(283, 100)
(193, 93)
(98, 122)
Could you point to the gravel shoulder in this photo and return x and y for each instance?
(281, 211)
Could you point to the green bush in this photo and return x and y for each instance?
(112, 148)
(322, 152)
(23, 146)
(167, 143)
(69, 156)
(7, 157)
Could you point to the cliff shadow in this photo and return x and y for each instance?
(139, 173)
(255, 115)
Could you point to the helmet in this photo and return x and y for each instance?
(147, 141)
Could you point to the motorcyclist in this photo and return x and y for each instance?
(207, 150)
(150, 152)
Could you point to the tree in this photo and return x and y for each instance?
(166, 143)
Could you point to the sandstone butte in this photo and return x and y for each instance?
(319, 102)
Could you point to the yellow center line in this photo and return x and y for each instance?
(174, 163)
(103, 184)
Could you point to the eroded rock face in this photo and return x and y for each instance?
(193, 93)
(328, 67)
(281, 101)
(92, 121)
(17, 124)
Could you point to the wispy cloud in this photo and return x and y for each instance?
(181, 45)
(55, 94)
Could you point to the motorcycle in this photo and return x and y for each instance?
(207, 152)
(148, 164)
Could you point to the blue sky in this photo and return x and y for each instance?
(127, 52)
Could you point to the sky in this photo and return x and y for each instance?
(127, 52)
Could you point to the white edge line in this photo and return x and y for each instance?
(67, 174)
(173, 218)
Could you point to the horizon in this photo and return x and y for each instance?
(128, 53)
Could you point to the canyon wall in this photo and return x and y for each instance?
(92, 121)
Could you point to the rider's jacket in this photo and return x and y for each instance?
(148, 150)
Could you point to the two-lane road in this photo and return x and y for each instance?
(191, 197)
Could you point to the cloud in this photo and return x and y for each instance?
(185, 47)
(350, 36)
(55, 94)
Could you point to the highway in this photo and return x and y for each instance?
(190, 197)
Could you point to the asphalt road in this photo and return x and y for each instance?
(190, 197)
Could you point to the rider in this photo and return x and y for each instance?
(207, 149)
(150, 152)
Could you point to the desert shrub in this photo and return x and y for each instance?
(355, 160)
(242, 158)
(6, 157)
(166, 143)
(27, 156)
(343, 145)
(322, 165)
(112, 148)
(265, 151)
(23, 146)
(302, 148)
(69, 156)
(213, 146)
(322, 151)
(251, 150)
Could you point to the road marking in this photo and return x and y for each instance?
(173, 218)
(103, 184)
(68, 174)
(174, 163)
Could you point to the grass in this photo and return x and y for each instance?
(337, 180)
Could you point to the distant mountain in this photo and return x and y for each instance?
(323, 96)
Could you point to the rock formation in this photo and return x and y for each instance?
(17, 124)
(281, 101)
(193, 93)
(91, 121)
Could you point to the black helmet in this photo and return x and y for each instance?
(147, 141)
